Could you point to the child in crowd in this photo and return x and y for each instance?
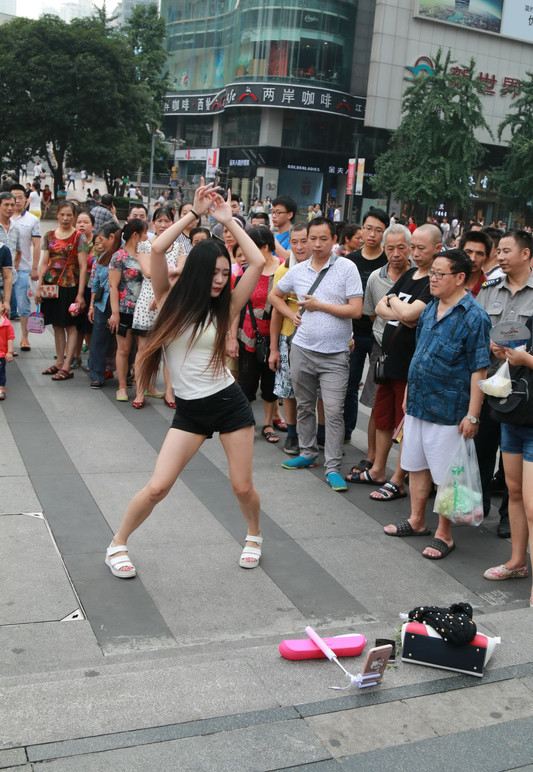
(7, 336)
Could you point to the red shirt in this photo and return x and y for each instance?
(6, 333)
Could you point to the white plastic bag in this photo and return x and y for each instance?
(459, 497)
(32, 288)
(499, 384)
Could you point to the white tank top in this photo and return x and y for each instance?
(192, 375)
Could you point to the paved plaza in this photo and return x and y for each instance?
(179, 668)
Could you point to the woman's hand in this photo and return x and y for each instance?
(232, 347)
(37, 298)
(80, 300)
(517, 358)
(203, 197)
(220, 209)
(90, 314)
(114, 321)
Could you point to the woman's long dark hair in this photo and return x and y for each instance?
(189, 308)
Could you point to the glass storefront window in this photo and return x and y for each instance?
(240, 127)
(212, 43)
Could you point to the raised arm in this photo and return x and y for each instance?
(203, 198)
(221, 212)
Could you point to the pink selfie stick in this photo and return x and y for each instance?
(304, 648)
(329, 653)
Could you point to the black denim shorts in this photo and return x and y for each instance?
(226, 411)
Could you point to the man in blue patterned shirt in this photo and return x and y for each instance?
(443, 396)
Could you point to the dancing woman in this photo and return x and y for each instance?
(195, 314)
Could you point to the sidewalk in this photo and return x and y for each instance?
(179, 668)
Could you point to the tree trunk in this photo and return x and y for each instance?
(57, 169)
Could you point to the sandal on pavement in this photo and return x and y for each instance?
(62, 375)
(154, 394)
(122, 395)
(499, 573)
(75, 363)
(25, 345)
(280, 424)
(362, 478)
(51, 370)
(404, 528)
(120, 565)
(138, 404)
(250, 555)
(269, 435)
(2, 393)
(362, 466)
(171, 404)
(388, 492)
(441, 546)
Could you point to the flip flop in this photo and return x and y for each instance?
(362, 478)
(441, 546)
(269, 435)
(362, 466)
(404, 528)
(389, 492)
(62, 375)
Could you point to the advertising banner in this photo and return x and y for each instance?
(351, 176)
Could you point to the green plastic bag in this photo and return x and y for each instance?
(459, 497)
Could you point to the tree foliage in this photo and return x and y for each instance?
(514, 178)
(433, 151)
(77, 97)
(145, 30)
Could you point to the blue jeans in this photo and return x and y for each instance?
(362, 349)
(2, 371)
(100, 341)
(19, 295)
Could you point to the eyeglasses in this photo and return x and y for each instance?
(439, 274)
(370, 229)
(279, 211)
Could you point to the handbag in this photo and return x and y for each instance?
(36, 322)
(49, 291)
(380, 374)
(262, 344)
(98, 295)
(517, 407)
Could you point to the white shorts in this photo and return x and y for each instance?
(428, 446)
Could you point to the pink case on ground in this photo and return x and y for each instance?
(304, 648)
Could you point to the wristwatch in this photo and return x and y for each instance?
(472, 419)
(389, 297)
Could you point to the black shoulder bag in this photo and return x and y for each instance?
(262, 344)
(517, 407)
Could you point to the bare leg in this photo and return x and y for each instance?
(59, 338)
(527, 489)
(24, 328)
(398, 478)
(70, 347)
(141, 345)
(177, 450)
(371, 434)
(238, 447)
(289, 408)
(419, 488)
(520, 531)
(269, 408)
(123, 352)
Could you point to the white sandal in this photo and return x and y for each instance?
(250, 556)
(120, 562)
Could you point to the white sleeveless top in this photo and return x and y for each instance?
(190, 372)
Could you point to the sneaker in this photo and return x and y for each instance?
(291, 447)
(300, 462)
(336, 481)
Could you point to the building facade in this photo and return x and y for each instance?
(279, 96)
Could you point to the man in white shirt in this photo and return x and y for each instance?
(320, 348)
(27, 263)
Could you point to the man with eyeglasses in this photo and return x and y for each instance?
(367, 259)
(401, 307)
(28, 265)
(443, 398)
(283, 211)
